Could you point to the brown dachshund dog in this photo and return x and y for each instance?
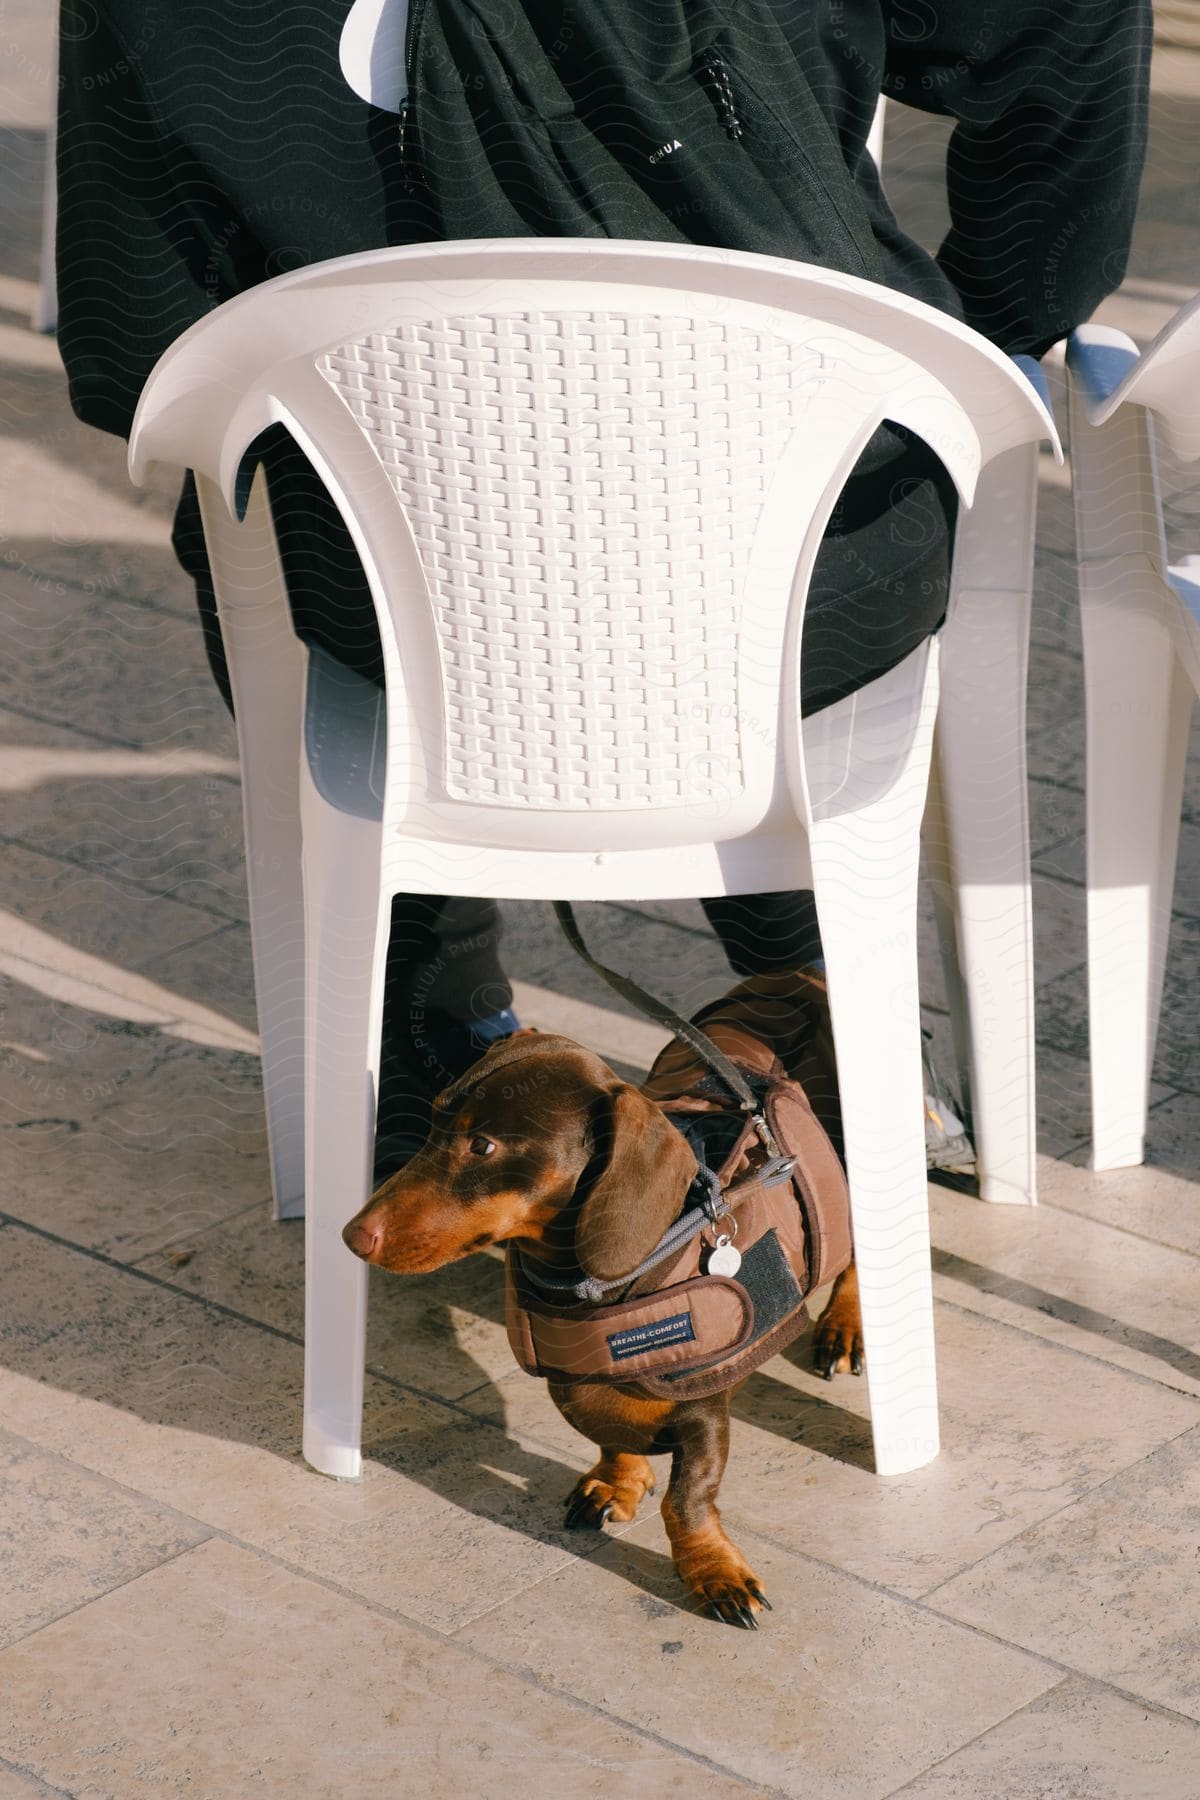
(550, 1147)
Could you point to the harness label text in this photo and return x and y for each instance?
(639, 1338)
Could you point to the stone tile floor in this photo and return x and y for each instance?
(185, 1607)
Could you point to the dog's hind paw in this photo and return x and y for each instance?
(837, 1340)
(837, 1351)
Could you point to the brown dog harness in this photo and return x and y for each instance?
(765, 1222)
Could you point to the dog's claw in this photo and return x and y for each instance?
(590, 1506)
(612, 1490)
(856, 1363)
(734, 1602)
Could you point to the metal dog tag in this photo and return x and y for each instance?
(723, 1258)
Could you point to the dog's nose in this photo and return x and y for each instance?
(364, 1240)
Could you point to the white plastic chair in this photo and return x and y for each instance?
(1141, 648)
(587, 482)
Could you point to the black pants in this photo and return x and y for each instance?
(879, 589)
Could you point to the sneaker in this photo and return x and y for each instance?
(947, 1145)
(452, 1045)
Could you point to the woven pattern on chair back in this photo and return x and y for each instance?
(583, 488)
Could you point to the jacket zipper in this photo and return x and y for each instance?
(735, 100)
(412, 26)
(402, 139)
(410, 171)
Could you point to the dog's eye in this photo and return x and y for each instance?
(481, 1146)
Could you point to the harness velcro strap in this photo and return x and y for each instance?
(709, 1315)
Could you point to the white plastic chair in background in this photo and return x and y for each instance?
(587, 481)
(1141, 650)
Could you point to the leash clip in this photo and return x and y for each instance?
(780, 1168)
(766, 1136)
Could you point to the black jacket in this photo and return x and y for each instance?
(204, 147)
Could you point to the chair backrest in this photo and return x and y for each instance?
(587, 482)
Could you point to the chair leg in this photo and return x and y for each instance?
(865, 848)
(267, 673)
(1139, 703)
(347, 946)
(977, 825)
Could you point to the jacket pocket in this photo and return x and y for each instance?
(827, 192)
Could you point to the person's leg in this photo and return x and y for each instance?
(187, 541)
(763, 933)
(446, 998)
(881, 582)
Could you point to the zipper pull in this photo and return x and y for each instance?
(408, 144)
(716, 74)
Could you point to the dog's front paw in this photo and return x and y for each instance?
(716, 1574)
(837, 1340)
(614, 1489)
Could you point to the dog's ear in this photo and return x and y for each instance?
(647, 1170)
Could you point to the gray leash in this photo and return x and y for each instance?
(661, 1013)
